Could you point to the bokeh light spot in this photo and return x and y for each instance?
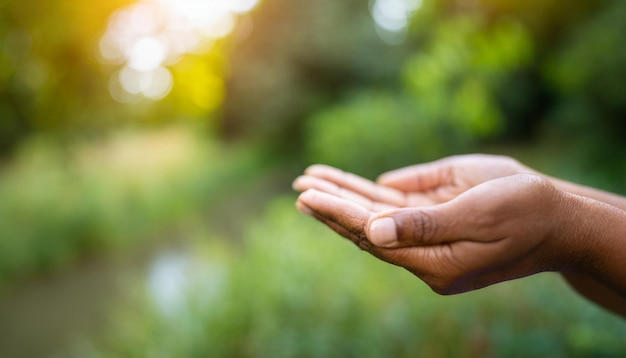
(161, 83)
(392, 18)
(242, 6)
(146, 36)
(147, 54)
(154, 84)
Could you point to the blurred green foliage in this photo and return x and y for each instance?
(315, 295)
(449, 101)
(590, 81)
(374, 131)
(50, 76)
(61, 203)
(462, 69)
(489, 73)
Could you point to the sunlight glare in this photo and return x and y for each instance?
(154, 84)
(392, 18)
(161, 84)
(242, 6)
(147, 54)
(147, 36)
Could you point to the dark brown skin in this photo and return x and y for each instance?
(466, 222)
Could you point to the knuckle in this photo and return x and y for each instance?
(534, 182)
(423, 226)
(537, 185)
(364, 244)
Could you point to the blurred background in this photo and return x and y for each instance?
(147, 150)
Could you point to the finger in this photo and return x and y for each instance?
(358, 184)
(337, 212)
(361, 241)
(422, 226)
(306, 182)
(338, 229)
(416, 259)
(420, 177)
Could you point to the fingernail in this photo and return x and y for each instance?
(299, 184)
(303, 208)
(382, 232)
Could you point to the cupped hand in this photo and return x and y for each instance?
(444, 179)
(466, 222)
(494, 231)
(418, 185)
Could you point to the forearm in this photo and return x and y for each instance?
(599, 233)
(597, 293)
(596, 194)
(610, 267)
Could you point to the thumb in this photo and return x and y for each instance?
(418, 226)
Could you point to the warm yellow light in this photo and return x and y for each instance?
(147, 37)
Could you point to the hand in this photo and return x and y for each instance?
(444, 179)
(452, 257)
(418, 185)
(498, 230)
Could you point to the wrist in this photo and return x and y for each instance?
(595, 240)
(589, 192)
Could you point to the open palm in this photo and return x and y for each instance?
(418, 185)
